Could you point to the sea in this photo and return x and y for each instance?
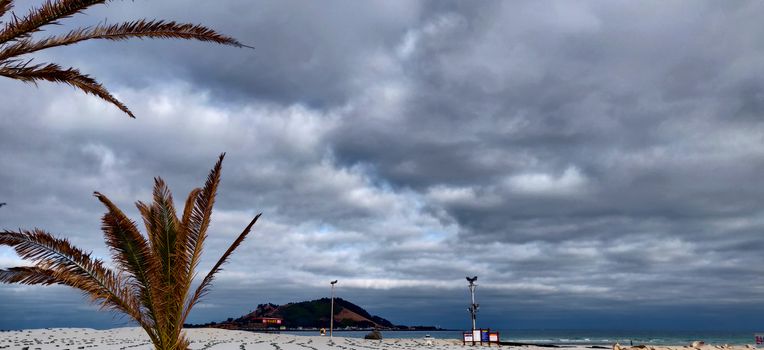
(579, 337)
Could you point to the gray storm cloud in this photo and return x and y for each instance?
(588, 160)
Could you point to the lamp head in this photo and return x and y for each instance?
(333, 282)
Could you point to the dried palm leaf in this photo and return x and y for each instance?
(48, 13)
(52, 72)
(16, 40)
(5, 6)
(153, 273)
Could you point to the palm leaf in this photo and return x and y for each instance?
(196, 220)
(163, 228)
(16, 40)
(197, 217)
(203, 287)
(156, 29)
(49, 13)
(29, 275)
(5, 6)
(74, 267)
(133, 253)
(185, 270)
(52, 72)
(129, 248)
(155, 272)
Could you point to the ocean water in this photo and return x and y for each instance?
(580, 337)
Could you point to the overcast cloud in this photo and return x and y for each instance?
(597, 164)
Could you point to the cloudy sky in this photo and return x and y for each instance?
(597, 164)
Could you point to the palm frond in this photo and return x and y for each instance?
(129, 248)
(198, 219)
(163, 228)
(74, 267)
(155, 272)
(188, 208)
(16, 40)
(48, 13)
(132, 253)
(203, 287)
(34, 275)
(155, 29)
(29, 275)
(184, 271)
(53, 72)
(5, 6)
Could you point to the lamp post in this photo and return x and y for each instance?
(473, 307)
(331, 315)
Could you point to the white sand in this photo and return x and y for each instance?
(203, 338)
(219, 339)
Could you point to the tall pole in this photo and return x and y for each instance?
(331, 316)
(473, 307)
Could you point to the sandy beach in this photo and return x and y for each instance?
(205, 338)
(210, 338)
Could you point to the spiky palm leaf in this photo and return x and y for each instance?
(16, 40)
(153, 274)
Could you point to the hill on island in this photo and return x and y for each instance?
(309, 314)
(315, 313)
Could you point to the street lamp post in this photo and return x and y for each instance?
(473, 307)
(331, 315)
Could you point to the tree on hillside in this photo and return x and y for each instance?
(16, 41)
(152, 274)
